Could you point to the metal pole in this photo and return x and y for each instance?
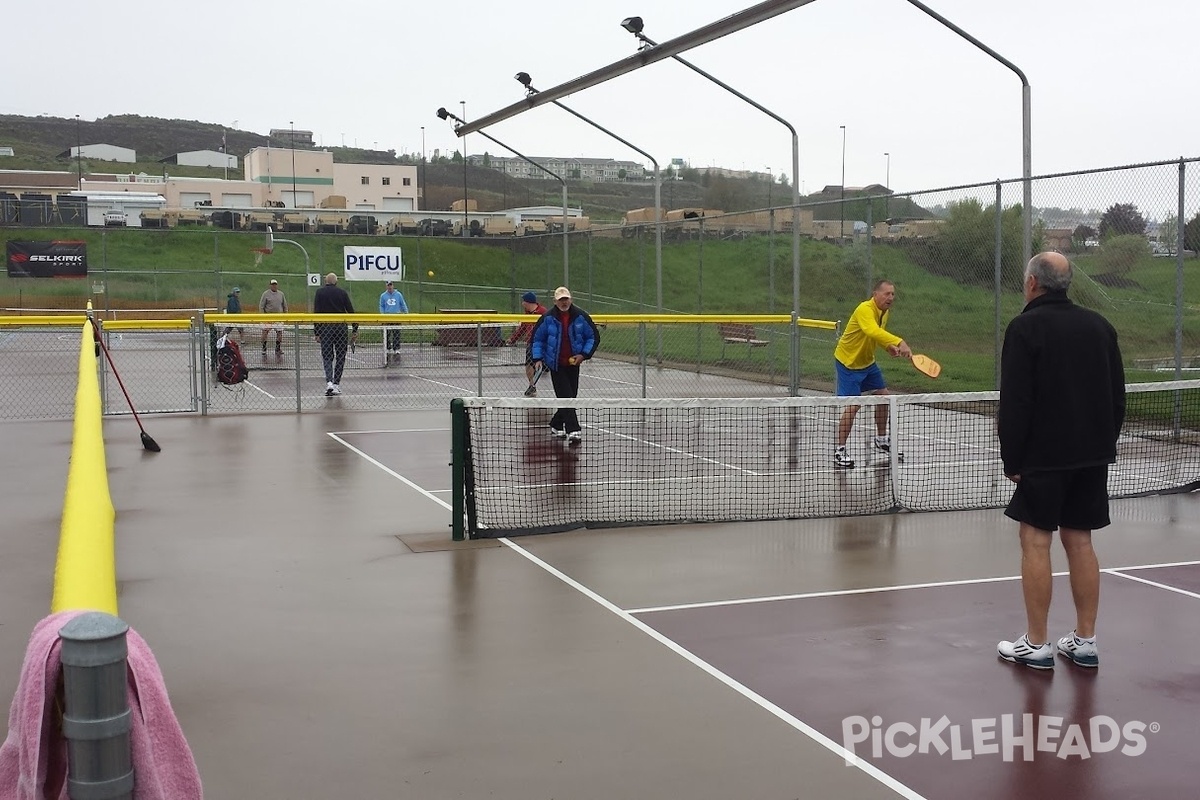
(842, 233)
(997, 288)
(634, 26)
(735, 22)
(466, 226)
(444, 114)
(96, 718)
(524, 79)
(295, 202)
(1026, 129)
(1179, 277)
(887, 184)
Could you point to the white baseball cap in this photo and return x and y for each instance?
(562, 292)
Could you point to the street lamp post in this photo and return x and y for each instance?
(444, 114)
(295, 204)
(770, 180)
(524, 79)
(635, 25)
(887, 184)
(422, 187)
(466, 224)
(78, 153)
(843, 203)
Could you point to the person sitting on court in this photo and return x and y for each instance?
(857, 372)
(530, 303)
(564, 338)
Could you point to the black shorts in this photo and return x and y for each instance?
(1069, 498)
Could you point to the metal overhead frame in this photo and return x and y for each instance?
(526, 81)
(444, 114)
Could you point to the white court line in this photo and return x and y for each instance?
(392, 430)
(593, 376)
(390, 471)
(438, 383)
(812, 733)
(675, 450)
(829, 593)
(258, 388)
(932, 585)
(1155, 584)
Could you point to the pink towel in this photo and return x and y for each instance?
(33, 758)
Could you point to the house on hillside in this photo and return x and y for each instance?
(6, 151)
(202, 158)
(101, 152)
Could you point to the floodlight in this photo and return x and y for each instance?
(632, 24)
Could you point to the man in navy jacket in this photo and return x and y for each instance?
(564, 338)
(1062, 404)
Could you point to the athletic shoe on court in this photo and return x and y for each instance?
(329, 388)
(884, 445)
(1083, 652)
(558, 432)
(336, 389)
(532, 392)
(574, 437)
(841, 460)
(1022, 652)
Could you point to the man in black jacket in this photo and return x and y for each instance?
(1062, 404)
(332, 299)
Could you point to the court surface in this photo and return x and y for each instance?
(322, 637)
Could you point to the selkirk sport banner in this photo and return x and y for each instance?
(372, 264)
(47, 259)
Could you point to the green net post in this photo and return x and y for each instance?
(458, 448)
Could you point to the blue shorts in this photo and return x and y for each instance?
(855, 382)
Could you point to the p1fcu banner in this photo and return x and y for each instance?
(372, 264)
(47, 259)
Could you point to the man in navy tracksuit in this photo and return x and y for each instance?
(563, 338)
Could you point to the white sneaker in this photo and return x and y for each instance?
(336, 389)
(574, 437)
(884, 445)
(1083, 653)
(842, 460)
(558, 432)
(1022, 652)
(329, 388)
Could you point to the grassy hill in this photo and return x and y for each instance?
(38, 141)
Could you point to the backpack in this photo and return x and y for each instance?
(231, 367)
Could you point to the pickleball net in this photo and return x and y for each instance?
(650, 461)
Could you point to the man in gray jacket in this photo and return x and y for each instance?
(1062, 404)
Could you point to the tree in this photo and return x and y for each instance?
(783, 179)
(1191, 234)
(1122, 219)
(456, 158)
(1121, 253)
(1168, 231)
(621, 174)
(487, 159)
(964, 248)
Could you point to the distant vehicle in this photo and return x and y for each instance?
(115, 219)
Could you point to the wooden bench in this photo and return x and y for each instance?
(466, 336)
(739, 333)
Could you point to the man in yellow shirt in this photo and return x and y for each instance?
(857, 372)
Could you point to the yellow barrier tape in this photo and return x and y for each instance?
(510, 319)
(41, 321)
(85, 575)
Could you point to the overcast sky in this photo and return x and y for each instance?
(1113, 82)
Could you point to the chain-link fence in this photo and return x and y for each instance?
(419, 362)
(954, 254)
